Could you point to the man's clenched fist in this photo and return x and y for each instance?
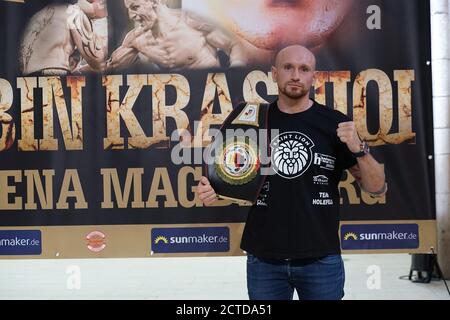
(346, 131)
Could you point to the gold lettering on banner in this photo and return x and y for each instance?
(73, 135)
(216, 88)
(182, 187)
(340, 81)
(71, 176)
(348, 185)
(8, 128)
(7, 189)
(44, 189)
(134, 177)
(34, 181)
(322, 77)
(404, 78)
(117, 194)
(385, 105)
(161, 175)
(250, 83)
(216, 83)
(161, 111)
(385, 108)
(38, 189)
(27, 141)
(354, 194)
(116, 110)
(52, 92)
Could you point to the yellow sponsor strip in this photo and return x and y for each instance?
(121, 241)
(134, 241)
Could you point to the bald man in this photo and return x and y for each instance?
(60, 35)
(291, 234)
(172, 39)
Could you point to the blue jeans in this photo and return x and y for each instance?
(313, 279)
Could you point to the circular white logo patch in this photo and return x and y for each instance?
(291, 154)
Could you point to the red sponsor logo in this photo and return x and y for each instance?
(96, 241)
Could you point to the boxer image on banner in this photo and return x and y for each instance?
(171, 38)
(65, 38)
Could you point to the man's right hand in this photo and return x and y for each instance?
(205, 192)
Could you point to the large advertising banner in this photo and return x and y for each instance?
(107, 107)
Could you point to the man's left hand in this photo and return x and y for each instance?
(346, 131)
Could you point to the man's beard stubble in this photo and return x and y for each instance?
(294, 94)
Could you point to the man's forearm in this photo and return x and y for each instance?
(121, 58)
(372, 174)
(369, 173)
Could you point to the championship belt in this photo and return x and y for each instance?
(234, 167)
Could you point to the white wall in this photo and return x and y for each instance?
(441, 108)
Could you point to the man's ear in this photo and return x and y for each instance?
(314, 78)
(274, 73)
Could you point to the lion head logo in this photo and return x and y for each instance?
(291, 154)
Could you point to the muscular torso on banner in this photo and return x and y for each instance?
(183, 45)
(53, 38)
(46, 43)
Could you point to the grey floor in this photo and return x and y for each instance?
(368, 277)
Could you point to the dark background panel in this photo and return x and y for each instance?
(402, 43)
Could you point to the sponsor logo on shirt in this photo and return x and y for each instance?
(291, 154)
(262, 198)
(379, 236)
(324, 161)
(320, 180)
(324, 199)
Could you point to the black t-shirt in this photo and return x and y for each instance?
(297, 212)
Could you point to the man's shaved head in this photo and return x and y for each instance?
(294, 71)
(297, 53)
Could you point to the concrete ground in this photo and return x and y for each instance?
(368, 277)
